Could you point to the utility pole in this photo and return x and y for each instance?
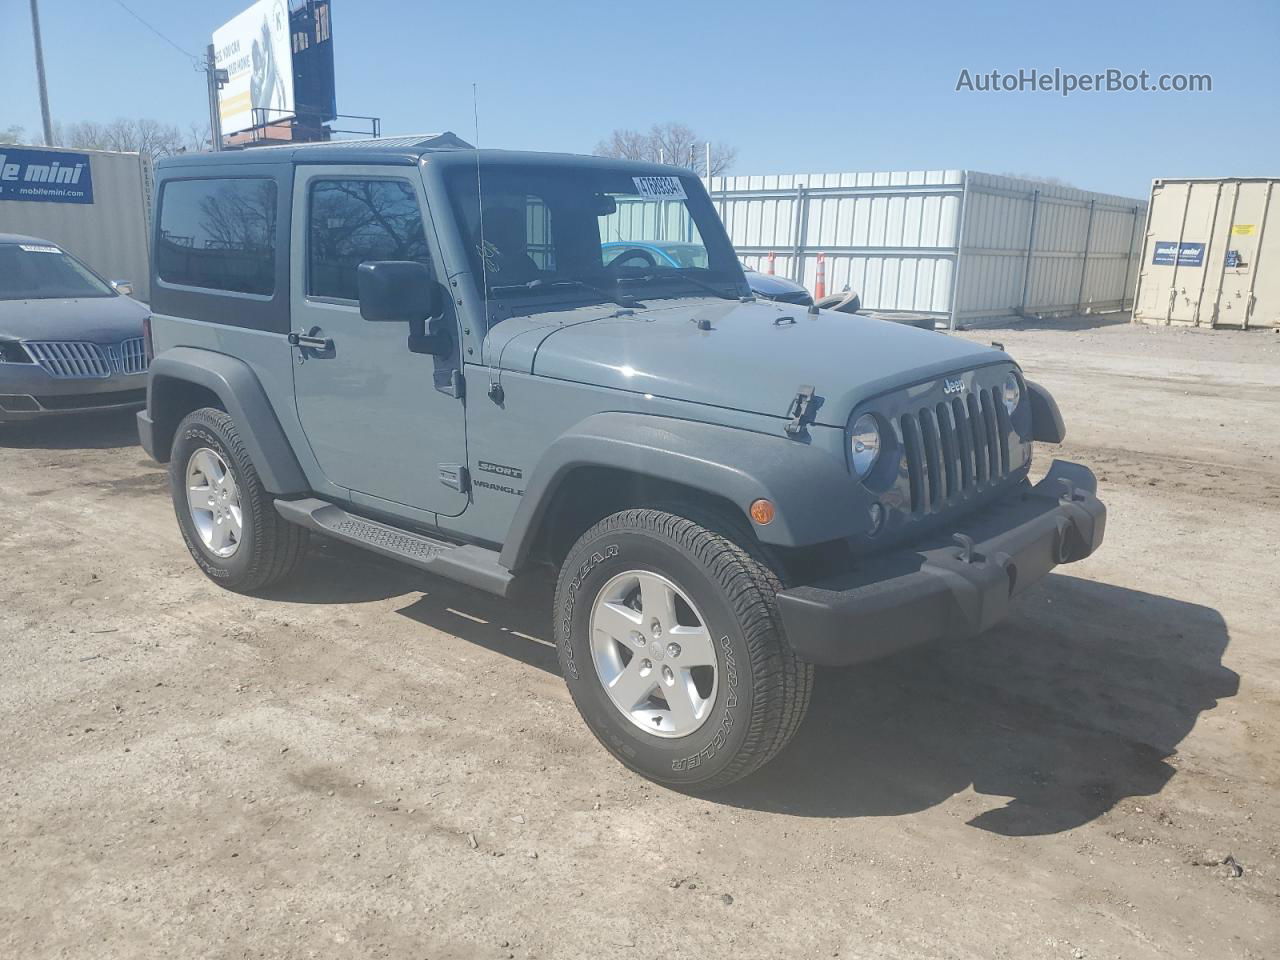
(216, 79)
(44, 92)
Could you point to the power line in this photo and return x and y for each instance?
(186, 53)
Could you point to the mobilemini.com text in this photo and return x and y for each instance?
(1065, 83)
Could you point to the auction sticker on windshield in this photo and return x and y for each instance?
(660, 188)
(32, 248)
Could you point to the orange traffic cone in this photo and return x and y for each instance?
(820, 286)
(769, 271)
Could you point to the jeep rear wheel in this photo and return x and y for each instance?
(670, 642)
(227, 518)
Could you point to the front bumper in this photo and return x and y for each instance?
(28, 393)
(948, 590)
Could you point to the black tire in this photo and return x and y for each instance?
(765, 688)
(270, 548)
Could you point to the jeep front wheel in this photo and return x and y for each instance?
(670, 642)
(228, 519)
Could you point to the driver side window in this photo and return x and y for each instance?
(351, 221)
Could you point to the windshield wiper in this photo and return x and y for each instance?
(702, 284)
(621, 299)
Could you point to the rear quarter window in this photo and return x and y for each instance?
(219, 234)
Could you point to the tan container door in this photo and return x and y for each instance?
(1174, 253)
(1248, 263)
(1192, 269)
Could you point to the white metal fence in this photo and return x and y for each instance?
(958, 245)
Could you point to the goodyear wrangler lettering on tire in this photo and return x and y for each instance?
(726, 721)
(596, 558)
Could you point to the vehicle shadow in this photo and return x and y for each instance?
(337, 572)
(78, 431)
(519, 627)
(1087, 321)
(1076, 703)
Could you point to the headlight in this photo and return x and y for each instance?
(864, 445)
(11, 352)
(1012, 393)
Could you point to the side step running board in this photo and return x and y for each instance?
(474, 566)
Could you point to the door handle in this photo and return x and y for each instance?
(297, 339)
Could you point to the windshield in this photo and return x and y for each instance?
(558, 237)
(40, 271)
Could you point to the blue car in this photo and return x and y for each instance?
(677, 255)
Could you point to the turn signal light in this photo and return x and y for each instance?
(762, 512)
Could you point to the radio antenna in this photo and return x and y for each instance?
(495, 385)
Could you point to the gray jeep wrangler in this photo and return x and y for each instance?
(442, 355)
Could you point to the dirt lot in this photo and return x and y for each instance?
(374, 763)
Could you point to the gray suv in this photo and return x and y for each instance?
(420, 348)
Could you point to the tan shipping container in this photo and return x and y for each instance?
(1211, 254)
(110, 234)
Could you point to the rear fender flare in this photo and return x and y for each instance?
(241, 394)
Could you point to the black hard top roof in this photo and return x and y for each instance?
(446, 148)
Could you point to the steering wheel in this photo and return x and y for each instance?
(632, 253)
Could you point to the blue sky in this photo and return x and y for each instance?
(798, 87)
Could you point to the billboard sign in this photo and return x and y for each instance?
(254, 49)
(312, 26)
(46, 176)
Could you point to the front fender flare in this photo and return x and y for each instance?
(242, 396)
(1047, 424)
(816, 499)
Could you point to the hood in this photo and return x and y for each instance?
(754, 357)
(99, 319)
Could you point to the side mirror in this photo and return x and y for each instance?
(402, 291)
(397, 291)
(122, 287)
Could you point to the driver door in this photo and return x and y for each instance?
(373, 412)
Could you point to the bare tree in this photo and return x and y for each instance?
(198, 140)
(12, 134)
(669, 142)
(143, 135)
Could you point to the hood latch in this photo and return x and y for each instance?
(801, 411)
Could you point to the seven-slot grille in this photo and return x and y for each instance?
(80, 359)
(955, 447)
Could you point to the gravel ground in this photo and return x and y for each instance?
(374, 763)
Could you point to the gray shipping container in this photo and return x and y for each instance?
(109, 234)
(1212, 254)
(966, 248)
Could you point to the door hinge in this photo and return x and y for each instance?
(455, 476)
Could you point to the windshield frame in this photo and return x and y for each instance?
(451, 189)
(105, 290)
